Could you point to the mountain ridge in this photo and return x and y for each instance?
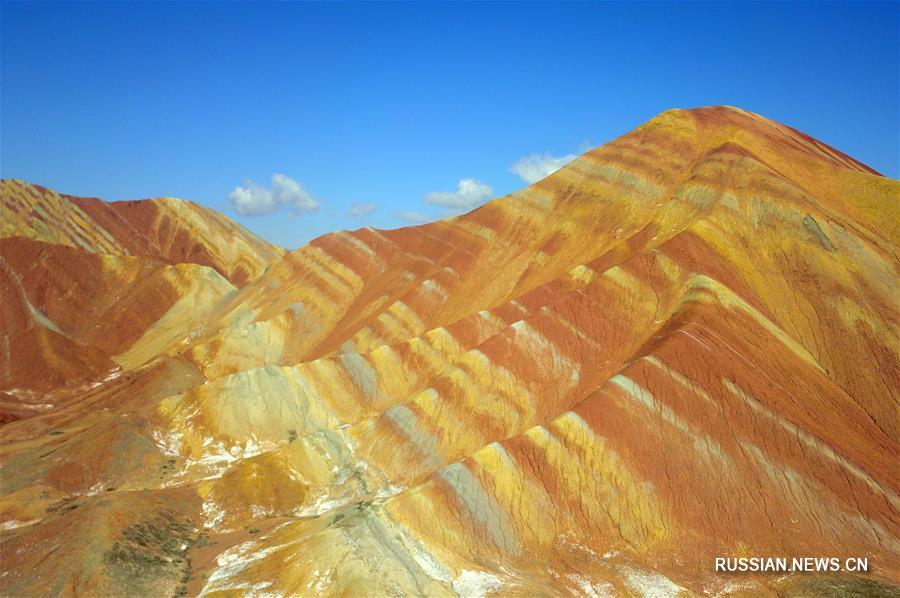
(134, 227)
(682, 345)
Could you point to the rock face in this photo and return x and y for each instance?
(681, 346)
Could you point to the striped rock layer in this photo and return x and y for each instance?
(681, 346)
(170, 230)
(83, 280)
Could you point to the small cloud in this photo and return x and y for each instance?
(535, 167)
(469, 193)
(361, 209)
(285, 194)
(411, 217)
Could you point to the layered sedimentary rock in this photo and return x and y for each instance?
(171, 230)
(89, 286)
(681, 346)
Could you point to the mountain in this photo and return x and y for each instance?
(103, 275)
(681, 346)
(170, 230)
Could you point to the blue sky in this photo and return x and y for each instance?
(411, 108)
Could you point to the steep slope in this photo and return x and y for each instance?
(69, 316)
(682, 346)
(171, 230)
(91, 287)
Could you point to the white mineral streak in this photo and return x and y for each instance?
(14, 523)
(476, 584)
(232, 562)
(593, 589)
(322, 505)
(213, 514)
(649, 584)
(169, 444)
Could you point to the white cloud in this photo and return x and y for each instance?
(533, 168)
(285, 194)
(411, 217)
(469, 194)
(361, 209)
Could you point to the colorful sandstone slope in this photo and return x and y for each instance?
(170, 230)
(681, 346)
